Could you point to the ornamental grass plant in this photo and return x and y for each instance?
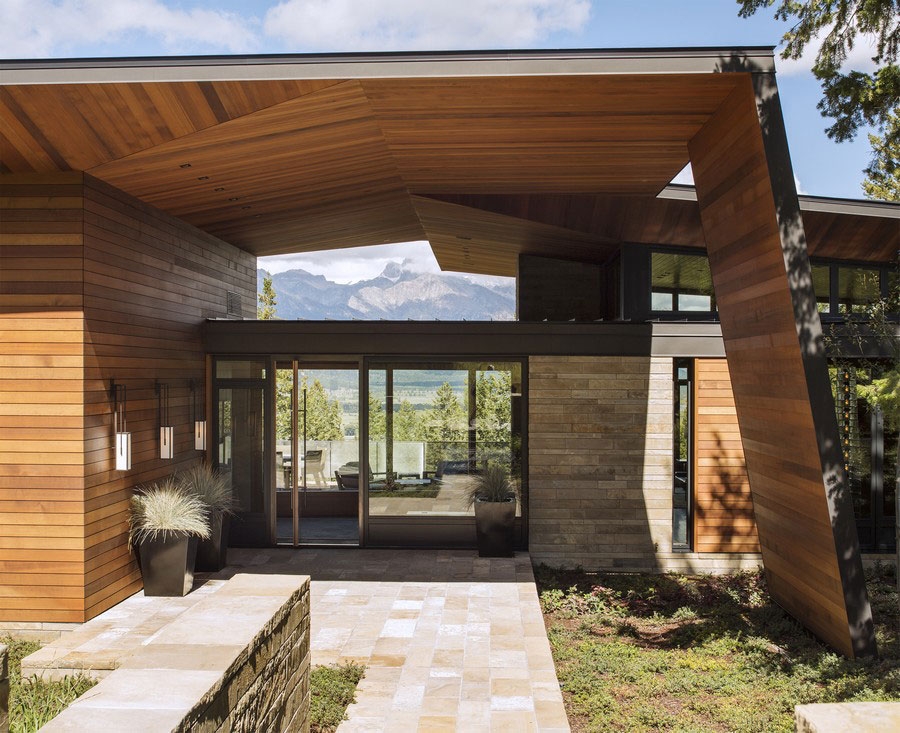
(493, 484)
(210, 485)
(164, 507)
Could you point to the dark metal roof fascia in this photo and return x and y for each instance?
(450, 338)
(825, 204)
(565, 62)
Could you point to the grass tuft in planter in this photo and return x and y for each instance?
(166, 524)
(214, 489)
(493, 495)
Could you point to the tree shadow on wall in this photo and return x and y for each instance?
(811, 351)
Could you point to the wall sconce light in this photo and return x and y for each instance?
(166, 430)
(123, 437)
(199, 418)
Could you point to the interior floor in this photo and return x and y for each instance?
(319, 530)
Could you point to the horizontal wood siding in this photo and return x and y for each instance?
(149, 282)
(94, 286)
(41, 391)
(723, 506)
(769, 326)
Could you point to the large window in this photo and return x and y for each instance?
(680, 283)
(846, 289)
(433, 425)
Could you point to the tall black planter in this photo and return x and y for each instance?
(495, 523)
(167, 564)
(211, 553)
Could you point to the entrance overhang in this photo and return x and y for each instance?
(286, 154)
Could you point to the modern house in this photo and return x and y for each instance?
(664, 399)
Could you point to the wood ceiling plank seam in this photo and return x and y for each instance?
(33, 131)
(10, 157)
(216, 105)
(164, 128)
(125, 120)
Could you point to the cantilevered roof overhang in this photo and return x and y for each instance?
(281, 154)
(485, 154)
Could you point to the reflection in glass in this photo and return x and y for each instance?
(240, 369)
(821, 277)
(432, 426)
(680, 282)
(857, 288)
(681, 498)
(240, 438)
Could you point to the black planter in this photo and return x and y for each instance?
(495, 523)
(211, 553)
(167, 564)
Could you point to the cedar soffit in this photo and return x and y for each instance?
(486, 155)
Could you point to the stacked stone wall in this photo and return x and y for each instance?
(239, 660)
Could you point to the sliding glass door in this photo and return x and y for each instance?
(316, 456)
(431, 426)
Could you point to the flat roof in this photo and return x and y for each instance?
(389, 65)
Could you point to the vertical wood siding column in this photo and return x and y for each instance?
(773, 343)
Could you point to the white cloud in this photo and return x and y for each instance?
(366, 25)
(799, 186)
(356, 263)
(42, 28)
(859, 58)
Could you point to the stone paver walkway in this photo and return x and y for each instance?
(451, 641)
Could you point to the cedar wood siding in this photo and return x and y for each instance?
(144, 283)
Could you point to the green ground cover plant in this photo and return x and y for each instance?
(34, 702)
(701, 653)
(332, 689)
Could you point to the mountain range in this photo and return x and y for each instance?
(398, 293)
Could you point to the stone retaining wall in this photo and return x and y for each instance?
(237, 660)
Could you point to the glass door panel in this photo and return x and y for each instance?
(431, 426)
(240, 455)
(316, 454)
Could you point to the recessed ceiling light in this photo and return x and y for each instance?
(235, 198)
(203, 178)
(220, 188)
(246, 207)
(185, 165)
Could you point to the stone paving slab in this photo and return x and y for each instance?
(450, 641)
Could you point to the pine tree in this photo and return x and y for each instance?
(407, 425)
(324, 417)
(268, 301)
(883, 174)
(446, 421)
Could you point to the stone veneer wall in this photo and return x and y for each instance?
(600, 443)
(238, 660)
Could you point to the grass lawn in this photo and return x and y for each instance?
(36, 702)
(701, 653)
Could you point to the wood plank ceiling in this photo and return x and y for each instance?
(484, 168)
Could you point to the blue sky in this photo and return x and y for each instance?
(67, 28)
